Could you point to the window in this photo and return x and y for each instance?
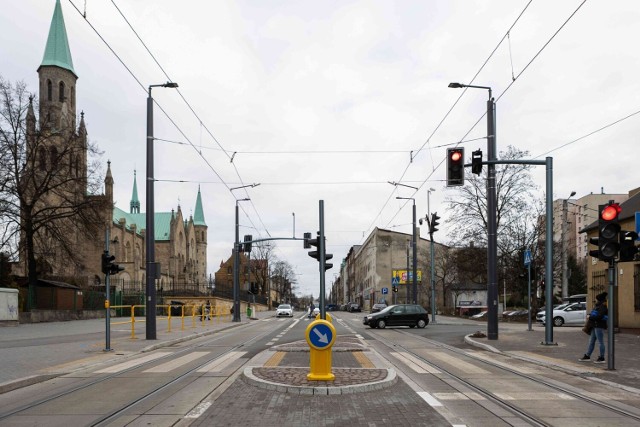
(49, 90)
(53, 154)
(61, 90)
(43, 159)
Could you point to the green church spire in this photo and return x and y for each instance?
(198, 215)
(134, 205)
(57, 50)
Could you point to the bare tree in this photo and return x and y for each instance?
(45, 186)
(284, 280)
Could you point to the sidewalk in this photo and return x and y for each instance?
(569, 344)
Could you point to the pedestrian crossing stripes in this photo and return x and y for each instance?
(175, 363)
(222, 362)
(465, 367)
(131, 363)
(414, 363)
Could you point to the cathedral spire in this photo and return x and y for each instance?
(134, 206)
(198, 216)
(57, 51)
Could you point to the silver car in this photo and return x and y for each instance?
(572, 314)
(284, 310)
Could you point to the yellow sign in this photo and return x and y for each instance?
(402, 276)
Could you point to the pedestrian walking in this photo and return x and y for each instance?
(598, 321)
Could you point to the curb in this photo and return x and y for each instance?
(24, 382)
(251, 379)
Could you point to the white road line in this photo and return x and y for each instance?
(466, 367)
(198, 410)
(414, 363)
(222, 362)
(131, 363)
(429, 399)
(175, 363)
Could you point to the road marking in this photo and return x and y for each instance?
(131, 363)
(429, 399)
(457, 363)
(198, 410)
(175, 363)
(363, 360)
(222, 362)
(533, 396)
(275, 359)
(414, 363)
(490, 357)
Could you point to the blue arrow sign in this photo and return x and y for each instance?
(385, 290)
(527, 257)
(321, 336)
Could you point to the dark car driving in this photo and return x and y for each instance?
(410, 315)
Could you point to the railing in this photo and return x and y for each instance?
(214, 314)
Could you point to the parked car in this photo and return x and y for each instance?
(572, 314)
(378, 307)
(353, 307)
(284, 310)
(410, 315)
(542, 312)
(331, 307)
(480, 315)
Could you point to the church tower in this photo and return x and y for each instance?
(134, 204)
(201, 239)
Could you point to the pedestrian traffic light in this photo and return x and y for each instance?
(248, 238)
(434, 223)
(608, 233)
(108, 265)
(455, 167)
(307, 238)
(476, 162)
(628, 249)
(395, 289)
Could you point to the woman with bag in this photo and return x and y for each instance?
(597, 319)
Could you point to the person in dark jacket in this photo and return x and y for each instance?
(598, 319)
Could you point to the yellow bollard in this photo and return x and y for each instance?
(320, 335)
(169, 318)
(193, 315)
(182, 318)
(133, 322)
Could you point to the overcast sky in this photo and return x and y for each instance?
(329, 100)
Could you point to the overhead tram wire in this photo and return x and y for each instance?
(434, 168)
(142, 86)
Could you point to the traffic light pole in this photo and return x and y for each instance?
(613, 283)
(107, 302)
(492, 234)
(323, 260)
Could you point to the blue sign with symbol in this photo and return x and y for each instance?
(527, 257)
(395, 281)
(385, 290)
(321, 336)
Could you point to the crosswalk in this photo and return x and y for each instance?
(216, 365)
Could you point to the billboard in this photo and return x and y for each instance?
(402, 276)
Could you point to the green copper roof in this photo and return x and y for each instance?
(57, 50)
(198, 216)
(162, 222)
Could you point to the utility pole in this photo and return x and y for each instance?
(565, 274)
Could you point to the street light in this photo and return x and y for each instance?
(150, 238)
(492, 236)
(236, 258)
(415, 252)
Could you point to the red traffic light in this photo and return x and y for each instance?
(610, 212)
(456, 155)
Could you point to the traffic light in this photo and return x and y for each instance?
(248, 238)
(608, 230)
(327, 265)
(628, 249)
(108, 265)
(395, 289)
(308, 242)
(476, 162)
(307, 238)
(434, 223)
(455, 167)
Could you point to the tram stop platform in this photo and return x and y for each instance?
(284, 368)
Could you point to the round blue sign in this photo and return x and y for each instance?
(320, 334)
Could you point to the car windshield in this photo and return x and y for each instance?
(387, 309)
(284, 307)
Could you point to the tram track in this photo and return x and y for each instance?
(631, 414)
(191, 374)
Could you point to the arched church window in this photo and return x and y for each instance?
(49, 90)
(73, 97)
(53, 155)
(61, 94)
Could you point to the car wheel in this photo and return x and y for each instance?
(381, 324)
(412, 326)
(558, 321)
(421, 323)
(372, 326)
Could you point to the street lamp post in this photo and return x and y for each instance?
(492, 236)
(415, 252)
(150, 238)
(236, 258)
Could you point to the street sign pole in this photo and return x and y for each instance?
(527, 262)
